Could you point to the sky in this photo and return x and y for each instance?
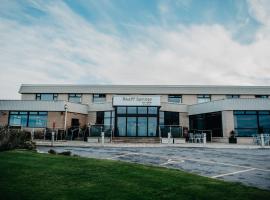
(220, 42)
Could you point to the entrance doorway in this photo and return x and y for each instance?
(136, 121)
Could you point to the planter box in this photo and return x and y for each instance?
(232, 140)
(166, 141)
(106, 140)
(92, 139)
(179, 140)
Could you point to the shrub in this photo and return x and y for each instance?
(15, 138)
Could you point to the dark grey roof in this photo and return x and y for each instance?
(145, 89)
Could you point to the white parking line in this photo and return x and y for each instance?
(118, 156)
(195, 160)
(237, 172)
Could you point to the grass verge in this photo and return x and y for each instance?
(29, 175)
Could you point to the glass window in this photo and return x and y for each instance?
(121, 110)
(37, 121)
(207, 121)
(261, 96)
(152, 126)
(233, 96)
(171, 118)
(28, 119)
(152, 110)
(142, 110)
(161, 118)
(264, 121)
(121, 126)
(245, 121)
(131, 126)
(142, 126)
(131, 110)
(203, 98)
(100, 117)
(75, 98)
(46, 97)
(99, 98)
(17, 119)
(172, 98)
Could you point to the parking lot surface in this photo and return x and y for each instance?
(248, 166)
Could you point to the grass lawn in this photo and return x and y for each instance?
(29, 175)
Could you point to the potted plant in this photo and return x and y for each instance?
(232, 138)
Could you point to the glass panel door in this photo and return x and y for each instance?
(142, 126)
(152, 126)
(131, 126)
(121, 125)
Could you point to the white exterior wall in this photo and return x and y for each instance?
(87, 98)
(28, 97)
(62, 97)
(227, 123)
(247, 96)
(217, 97)
(189, 99)
(184, 119)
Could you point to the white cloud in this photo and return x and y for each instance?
(64, 48)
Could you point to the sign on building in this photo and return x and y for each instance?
(141, 100)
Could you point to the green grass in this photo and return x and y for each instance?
(29, 175)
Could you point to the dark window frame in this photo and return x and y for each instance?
(39, 96)
(77, 95)
(174, 97)
(99, 98)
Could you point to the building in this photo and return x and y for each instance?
(140, 110)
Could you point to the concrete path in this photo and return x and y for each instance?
(192, 145)
(248, 166)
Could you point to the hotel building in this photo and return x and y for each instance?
(140, 110)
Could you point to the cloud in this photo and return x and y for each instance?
(260, 10)
(62, 47)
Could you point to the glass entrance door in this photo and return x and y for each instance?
(142, 126)
(131, 126)
(136, 121)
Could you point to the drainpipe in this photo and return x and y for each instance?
(65, 125)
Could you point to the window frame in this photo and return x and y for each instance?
(99, 98)
(175, 96)
(203, 96)
(75, 95)
(39, 96)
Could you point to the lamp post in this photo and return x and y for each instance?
(65, 125)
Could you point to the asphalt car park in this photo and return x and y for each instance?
(248, 166)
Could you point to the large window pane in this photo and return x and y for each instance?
(264, 121)
(142, 110)
(245, 121)
(18, 120)
(131, 110)
(142, 126)
(121, 110)
(202, 98)
(37, 121)
(99, 98)
(131, 126)
(246, 132)
(74, 98)
(121, 126)
(175, 98)
(152, 126)
(152, 110)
